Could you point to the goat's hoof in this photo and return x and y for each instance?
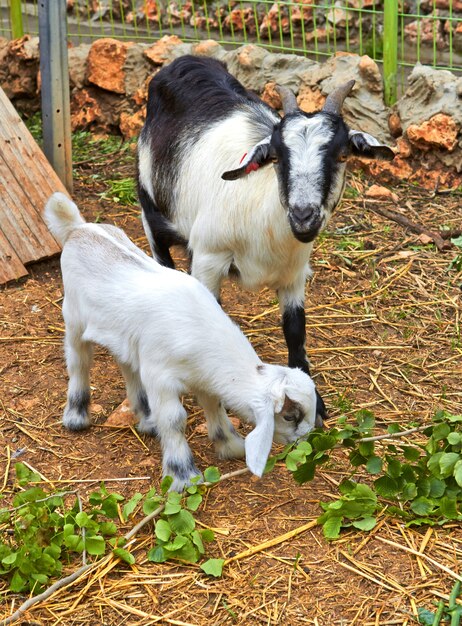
(73, 420)
(146, 427)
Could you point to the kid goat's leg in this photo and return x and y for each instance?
(228, 443)
(137, 397)
(168, 419)
(79, 355)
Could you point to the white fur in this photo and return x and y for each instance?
(169, 336)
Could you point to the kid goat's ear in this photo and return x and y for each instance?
(258, 443)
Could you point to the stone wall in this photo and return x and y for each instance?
(109, 82)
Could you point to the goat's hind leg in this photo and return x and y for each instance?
(138, 399)
(228, 443)
(79, 356)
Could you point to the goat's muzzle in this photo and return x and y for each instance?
(305, 222)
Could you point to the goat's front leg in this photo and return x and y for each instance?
(294, 326)
(79, 355)
(210, 268)
(228, 443)
(168, 419)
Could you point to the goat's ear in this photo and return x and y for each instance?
(365, 145)
(259, 155)
(258, 442)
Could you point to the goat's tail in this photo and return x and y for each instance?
(62, 216)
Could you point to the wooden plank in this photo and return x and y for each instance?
(26, 182)
(21, 224)
(10, 264)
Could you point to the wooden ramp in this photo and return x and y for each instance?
(26, 182)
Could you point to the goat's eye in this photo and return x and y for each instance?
(289, 418)
(342, 157)
(274, 159)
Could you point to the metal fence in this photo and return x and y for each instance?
(395, 33)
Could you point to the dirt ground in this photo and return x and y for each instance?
(383, 333)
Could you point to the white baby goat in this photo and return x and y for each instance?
(169, 336)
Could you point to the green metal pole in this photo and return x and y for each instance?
(17, 29)
(390, 50)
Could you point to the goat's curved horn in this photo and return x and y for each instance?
(289, 101)
(334, 101)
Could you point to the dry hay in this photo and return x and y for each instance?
(383, 333)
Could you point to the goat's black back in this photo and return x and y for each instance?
(200, 88)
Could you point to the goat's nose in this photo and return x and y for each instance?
(304, 213)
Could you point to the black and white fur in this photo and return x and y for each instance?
(169, 336)
(222, 173)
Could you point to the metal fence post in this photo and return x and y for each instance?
(390, 50)
(17, 29)
(56, 116)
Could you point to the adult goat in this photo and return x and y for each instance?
(204, 129)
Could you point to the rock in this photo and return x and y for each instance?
(385, 171)
(394, 124)
(364, 108)
(271, 96)
(92, 108)
(426, 30)
(78, 65)
(166, 49)
(106, 62)
(208, 48)
(403, 148)
(440, 132)
(19, 67)
(338, 16)
(318, 35)
(136, 69)
(381, 193)
(310, 99)
(121, 417)
(275, 20)
(131, 123)
(239, 19)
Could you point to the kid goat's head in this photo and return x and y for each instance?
(309, 153)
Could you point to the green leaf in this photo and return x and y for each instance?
(386, 487)
(305, 472)
(367, 523)
(422, 506)
(163, 530)
(365, 419)
(393, 467)
(426, 617)
(331, 527)
(366, 448)
(24, 475)
(95, 545)
(212, 474)
(10, 559)
(74, 543)
(394, 428)
(207, 535)
(458, 472)
(53, 550)
(448, 507)
(447, 463)
(197, 540)
(454, 438)
(441, 431)
(124, 555)
(18, 583)
(158, 555)
(411, 454)
(374, 465)
(213, 567)
(109, 507)
(179, 542)
(182, 522)
(409, 491)
(82, 519)
(131, 505)
(107, 528)
(193, 501)
(321, 443)
(170, 508)
(151, 504)
(437, 488)
(165, 485)
(357, 459)
(187, 553)
(270, 463)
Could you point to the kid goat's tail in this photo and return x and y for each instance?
(62, 216)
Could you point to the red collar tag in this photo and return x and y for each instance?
(243, 157)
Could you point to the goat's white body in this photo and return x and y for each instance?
(247, 227)
(169, 336)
